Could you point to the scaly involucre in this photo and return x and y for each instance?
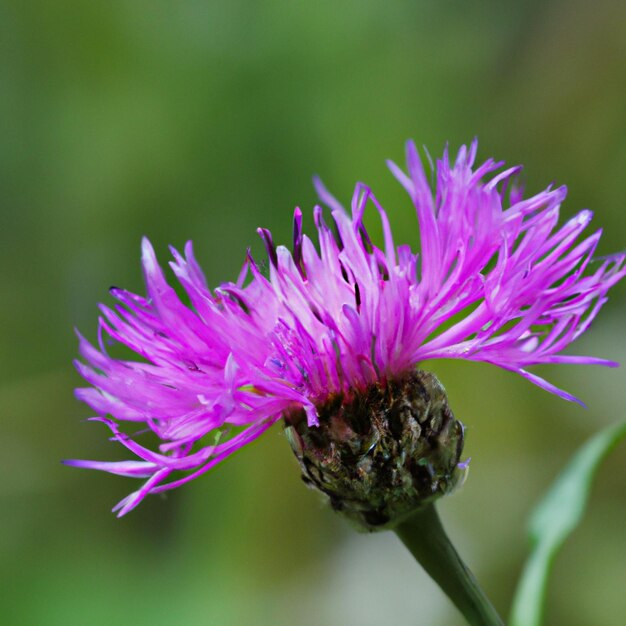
(495, 281)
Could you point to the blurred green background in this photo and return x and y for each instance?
(204, 119)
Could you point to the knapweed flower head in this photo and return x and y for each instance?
(330, 336)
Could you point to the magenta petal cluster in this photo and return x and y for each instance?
(496, 280)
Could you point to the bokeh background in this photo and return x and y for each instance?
(204, 119)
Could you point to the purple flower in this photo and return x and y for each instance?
(495, 281)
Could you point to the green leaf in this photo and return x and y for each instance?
(556, 516)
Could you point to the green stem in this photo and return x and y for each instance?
(424, 536)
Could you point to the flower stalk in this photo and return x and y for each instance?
(426, 539)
